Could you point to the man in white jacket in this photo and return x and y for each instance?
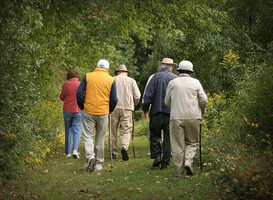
(187, 99)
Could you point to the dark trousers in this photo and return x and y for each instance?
(159, 122)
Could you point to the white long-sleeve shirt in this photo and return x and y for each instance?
(186, 97)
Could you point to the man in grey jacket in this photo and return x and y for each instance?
(187, 99)
(159, 113)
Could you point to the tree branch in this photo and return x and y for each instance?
(138, 5)
(204, 84)
(52, 1)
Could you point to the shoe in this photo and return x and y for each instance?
(76, 154)
(157, 161)
(164, 166)
(97, 167)
(188, 168)
(124, 154)
(148, 154)
(68, 155)
(114, 156)
(90, 164)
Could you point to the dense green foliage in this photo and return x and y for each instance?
(229, 42)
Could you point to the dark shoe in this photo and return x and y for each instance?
(124, 154)
(188, 168)
(164, 166)
(90, 164)
(157, 161)
(114, 156)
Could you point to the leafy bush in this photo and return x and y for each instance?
(238, 145)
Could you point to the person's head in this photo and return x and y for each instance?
(158, 68)
(73, 73)
(167, 63)
(103, 64)
(122, 69)
(185, 66)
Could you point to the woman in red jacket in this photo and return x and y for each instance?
(71, 113)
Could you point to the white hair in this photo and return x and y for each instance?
(166, 66)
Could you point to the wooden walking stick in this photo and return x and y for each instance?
(200, 151)
(133, 130)
(110, 140)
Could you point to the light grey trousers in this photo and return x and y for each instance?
(184, 140)
(92, 124)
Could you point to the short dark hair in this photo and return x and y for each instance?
(73, 73)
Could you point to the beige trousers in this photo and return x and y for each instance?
(121, 119)
(184, 140)
(90, 124)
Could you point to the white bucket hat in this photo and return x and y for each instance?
(103, 64)
(185, 66)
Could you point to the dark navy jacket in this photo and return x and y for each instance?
(156, 91)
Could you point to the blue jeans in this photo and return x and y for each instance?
(72, 124)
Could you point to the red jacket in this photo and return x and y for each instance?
(68, 95)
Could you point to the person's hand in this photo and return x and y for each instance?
(143, 114)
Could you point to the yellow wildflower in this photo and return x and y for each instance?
(10, 135)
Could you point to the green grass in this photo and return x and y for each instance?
(66, 178)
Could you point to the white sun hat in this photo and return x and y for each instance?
(185, 66)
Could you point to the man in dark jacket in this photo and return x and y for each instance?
(159, 113)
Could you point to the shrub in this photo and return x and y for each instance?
(239, 141)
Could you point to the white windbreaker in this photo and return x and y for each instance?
(186, 97)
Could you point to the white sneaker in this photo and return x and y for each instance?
(76, 154)
(97, 167)
(68, 155)
(188, 168)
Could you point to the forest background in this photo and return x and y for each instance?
(229, 42)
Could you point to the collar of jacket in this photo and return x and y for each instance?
(97, 69)
(73, 79)
(122, 74)
(166, 69)
(184, 75)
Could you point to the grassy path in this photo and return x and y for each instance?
(65, 178)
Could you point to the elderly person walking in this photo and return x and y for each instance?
(159, 113)
(187, 99)
(71, 113)
(158, 68)
(122, 117)
(97, 97)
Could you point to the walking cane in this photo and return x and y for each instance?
(110, 140)
(133, 130)
(200, 153)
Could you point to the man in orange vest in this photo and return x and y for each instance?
(96, 97)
